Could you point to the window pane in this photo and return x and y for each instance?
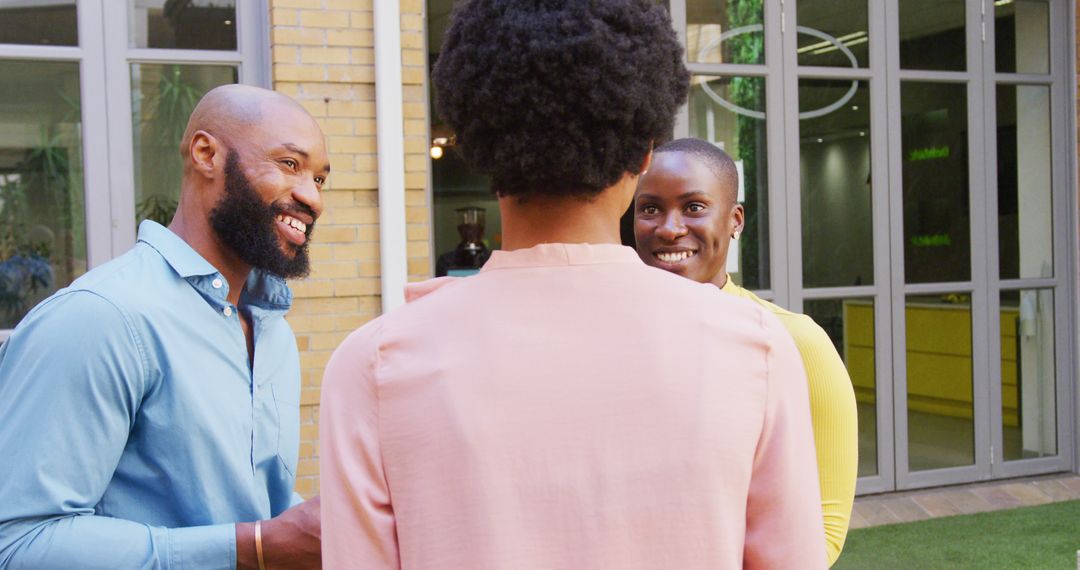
(194, 24)
(1028, 389)
(932, 35)
(39, 23)
(162, 97)
(725, 32)
(941, 432)
(833, 33)
(834, 164)
(1022, 36)
(42, 220)
(937, 221)
(730, 112)
(850, 325)
(1025, 219)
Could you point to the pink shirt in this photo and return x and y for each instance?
(569, 407)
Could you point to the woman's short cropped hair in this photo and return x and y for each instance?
(559, 97)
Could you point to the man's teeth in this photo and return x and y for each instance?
(293, 223)
(675, 256)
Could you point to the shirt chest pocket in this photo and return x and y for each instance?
(287, 405)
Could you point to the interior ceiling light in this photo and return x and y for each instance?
(820, 45)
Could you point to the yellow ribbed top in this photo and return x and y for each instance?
(834, 415)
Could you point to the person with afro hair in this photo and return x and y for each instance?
(568, 406)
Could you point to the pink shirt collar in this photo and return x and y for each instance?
(553, 254)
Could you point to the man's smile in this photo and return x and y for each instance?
(293, 229)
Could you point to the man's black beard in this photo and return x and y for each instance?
(246, 225)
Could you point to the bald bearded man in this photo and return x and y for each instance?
(151, 409)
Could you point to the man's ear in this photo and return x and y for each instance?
(206, 153)
(738, 217)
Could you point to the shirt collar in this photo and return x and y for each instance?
(553, 254)
(262, 289)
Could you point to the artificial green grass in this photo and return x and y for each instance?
(1046, 536)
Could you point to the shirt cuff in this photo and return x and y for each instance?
(203, 547)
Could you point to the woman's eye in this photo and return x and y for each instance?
(649, 209)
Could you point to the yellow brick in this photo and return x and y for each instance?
(337, 126)
(290, 3)
(345, 144)
(362, 20)
(420, 267)
(366, 163)
(357, 181)
(414, 93)
(357, 251)
(351, 73)
(290, 72)
(352, 322)
(304, 324)
(308, 397)
(327, 341)
(348, 4)
(412, 22)
(414, 75)
(417, 232)
(312, 288)
(335, 234)
(307, 449)
(415, 197)
(285, 54)
(283, 17)
(338, 199)
(315, 107)
(367, 233)
(413, 40)
(352, 38)
(411, 6)
(352, 109)
(325, 305)
(356, 215)
(324, 19)
(312, 359)
(415, 127)
(324, 55)
(370, 268)
(418, 249)
(321, 251)
(417, 144)
(324, 91)
(414, 163)
(298, 36)
(355, 287)
(305, 486)
(307, 467)
(309, 432)
(366, 198)
(414, 110)
(366, 127)
(416, 179)
(287, 88)
(362, 56)
(334, 270)
(340, 162)
(302, 343)
(417, 214)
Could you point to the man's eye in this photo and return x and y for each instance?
(649, 209)
(320, 180)
(292, 164)
(695, 207)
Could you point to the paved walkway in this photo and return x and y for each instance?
(908, 506)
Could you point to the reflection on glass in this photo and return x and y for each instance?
(834, 163)
(162, 97)
(725, 32)
(828, 40)
(42, 222)
(39, 23)
(730, 112)
(1025, 220)
(941, 432)
(850, 325)
(1022, 36)
(937, 236)
(932, 35)
(192, 24)
(1028, 398)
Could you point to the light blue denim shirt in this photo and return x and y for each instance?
(133, 430)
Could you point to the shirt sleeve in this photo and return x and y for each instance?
(836, 428)
(72, 377)
(783, 511)
(358, 528)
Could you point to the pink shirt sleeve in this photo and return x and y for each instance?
(783, 513)
(354, 491)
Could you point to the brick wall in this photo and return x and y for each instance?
(323, 55)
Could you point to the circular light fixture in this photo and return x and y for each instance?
(436, 152)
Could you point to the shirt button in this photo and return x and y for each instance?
(216, 283)
(227, 311)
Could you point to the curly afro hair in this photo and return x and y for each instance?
(559, 97)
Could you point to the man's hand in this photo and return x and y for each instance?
(290, 540)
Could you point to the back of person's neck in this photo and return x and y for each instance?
(541, 219)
